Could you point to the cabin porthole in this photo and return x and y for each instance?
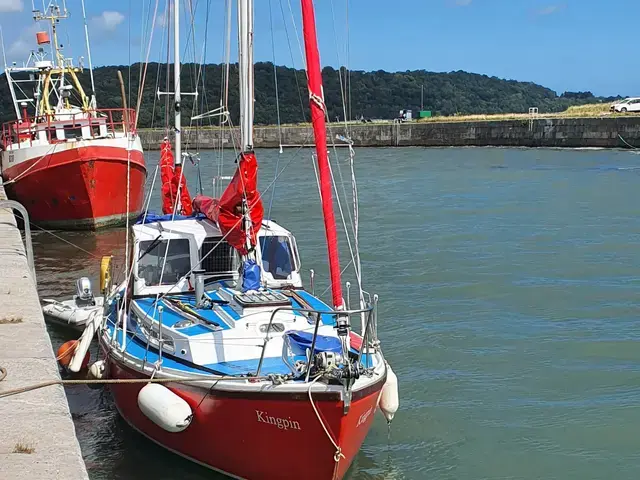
(183, 351)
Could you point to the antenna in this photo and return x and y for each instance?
(86, 35)
(4, 53)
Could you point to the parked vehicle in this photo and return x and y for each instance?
(631, 104)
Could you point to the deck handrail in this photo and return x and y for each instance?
(16, 130)
(368, 309)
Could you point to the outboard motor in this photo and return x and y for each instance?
(84, 294)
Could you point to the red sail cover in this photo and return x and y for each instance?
(166, 175)
(185, 199)
(316, 101)
(171, 180)
(227, 211)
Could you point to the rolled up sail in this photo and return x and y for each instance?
(228, 210)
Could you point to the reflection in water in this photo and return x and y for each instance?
(61, 261)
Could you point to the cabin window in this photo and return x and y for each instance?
(217, 257)
(277, 258)
(72, 132)
(152, 259)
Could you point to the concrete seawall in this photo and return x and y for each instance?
(37, 437)
(602, 132)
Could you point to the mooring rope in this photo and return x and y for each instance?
(338, 454)
(111, 381)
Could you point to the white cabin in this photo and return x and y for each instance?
(165, 253)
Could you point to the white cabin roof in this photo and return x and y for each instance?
(197, 228)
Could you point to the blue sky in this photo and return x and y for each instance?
(562, 44)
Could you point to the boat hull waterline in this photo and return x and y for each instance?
(81, 185)
(256, 435)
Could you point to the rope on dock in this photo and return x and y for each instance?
(111, 381)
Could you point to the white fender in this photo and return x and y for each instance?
(84, 342)
(389, 398)
(96, 370)
(164, 408)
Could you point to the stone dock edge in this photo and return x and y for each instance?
(581, 132)
(38, 439)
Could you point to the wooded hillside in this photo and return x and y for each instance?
(376, 94)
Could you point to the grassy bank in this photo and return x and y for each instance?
(587, 111)
(595, 110)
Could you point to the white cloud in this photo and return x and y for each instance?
(107, 21)
(163, 19)
(550, 10)
(23, 44)
(8, 6)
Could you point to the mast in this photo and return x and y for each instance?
(53, 79)
(176, 81)
(245, 55)
(318, 112)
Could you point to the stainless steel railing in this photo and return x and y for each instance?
(369, 310)
(27, 233)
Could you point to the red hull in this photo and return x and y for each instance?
(229, 433)
(78, 188)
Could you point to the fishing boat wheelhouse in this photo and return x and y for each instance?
(71, 165)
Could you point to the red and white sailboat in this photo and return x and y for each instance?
(71, 166)
(217, 351)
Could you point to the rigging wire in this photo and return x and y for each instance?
(129, 50)
(275, 79)
(340, 68)
(143, 71)
(224, 97)
(168, 79)
(275, 76)
(348, 72)
(86, 34)
(293, 62)
(157, 86)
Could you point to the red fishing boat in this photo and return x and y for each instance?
(71, 166)
(216, 349)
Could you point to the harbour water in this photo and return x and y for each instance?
(509, 281)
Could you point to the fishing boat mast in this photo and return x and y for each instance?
(61, 67)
